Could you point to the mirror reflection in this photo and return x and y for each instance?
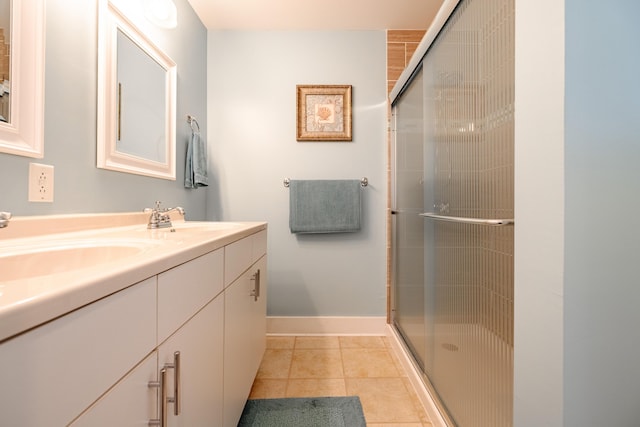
(141, 101)
(22, 77)
(5, 60)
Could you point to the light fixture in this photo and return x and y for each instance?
(162, 13)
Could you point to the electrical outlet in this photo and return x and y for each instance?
(40, 183)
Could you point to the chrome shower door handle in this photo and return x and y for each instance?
(464, 220)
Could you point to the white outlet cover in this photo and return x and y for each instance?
(40, 183)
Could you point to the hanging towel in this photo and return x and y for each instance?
(324, 206)
(195, 173)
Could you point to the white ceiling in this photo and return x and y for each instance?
(316, 14)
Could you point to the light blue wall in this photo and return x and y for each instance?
(70, 120)
(577, 186)
(252, 123)
(602, 237)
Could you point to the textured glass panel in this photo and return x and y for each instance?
(468, 80)
(409, 200)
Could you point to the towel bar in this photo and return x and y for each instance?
(363, 182)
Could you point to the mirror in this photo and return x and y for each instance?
(22, 77)
(136, 100)
(5, 61)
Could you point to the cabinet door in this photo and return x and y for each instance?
(199, 342)
(51, 374)
(244, 338)
(130, 403)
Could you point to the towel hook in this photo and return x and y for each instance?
(191, 120)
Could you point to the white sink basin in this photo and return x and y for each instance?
(48, 257)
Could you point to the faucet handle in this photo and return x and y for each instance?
(156, 209)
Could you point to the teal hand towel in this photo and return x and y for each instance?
(195, 173)
(324, 206)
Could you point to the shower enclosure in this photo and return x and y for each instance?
(453, 138)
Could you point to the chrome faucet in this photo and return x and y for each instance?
(4, 219)
(160, 217)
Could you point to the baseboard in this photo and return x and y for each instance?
(326, 325)
(415, 378)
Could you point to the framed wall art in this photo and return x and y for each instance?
(324, 113)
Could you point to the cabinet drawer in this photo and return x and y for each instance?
(259, 245)
(237, 258)
(242, 254)
(58, 369)
(185, 289)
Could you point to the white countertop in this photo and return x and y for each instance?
(28, 302)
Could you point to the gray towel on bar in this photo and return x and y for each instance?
(324, 206)
(195, 172)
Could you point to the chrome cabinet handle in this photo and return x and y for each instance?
(176, 383)
(255, 292)
(463, 220)
(162, 384)
(162, 421)
(175, 399)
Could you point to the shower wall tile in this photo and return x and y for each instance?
(401, 45)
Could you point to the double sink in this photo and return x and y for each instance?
(22, 259)
(45, 274)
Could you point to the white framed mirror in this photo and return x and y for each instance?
(22, 78)
(136, 100)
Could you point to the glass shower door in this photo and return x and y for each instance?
(453, 214)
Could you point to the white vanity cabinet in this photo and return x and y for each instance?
(100, 364)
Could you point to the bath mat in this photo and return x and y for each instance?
(303, 412)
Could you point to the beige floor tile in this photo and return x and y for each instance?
(397, 362)
(316, 387)
(276, 363)
(281, 342)
(368, 363)
(361, 342)
(317, 342)
(384, 400)
(316, 363)
(339, 366)
(416, 401)
(268, 389)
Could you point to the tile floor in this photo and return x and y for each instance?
(341, 366)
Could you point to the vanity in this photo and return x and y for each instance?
(116, 324)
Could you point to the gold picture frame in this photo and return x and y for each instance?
(324, 113)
